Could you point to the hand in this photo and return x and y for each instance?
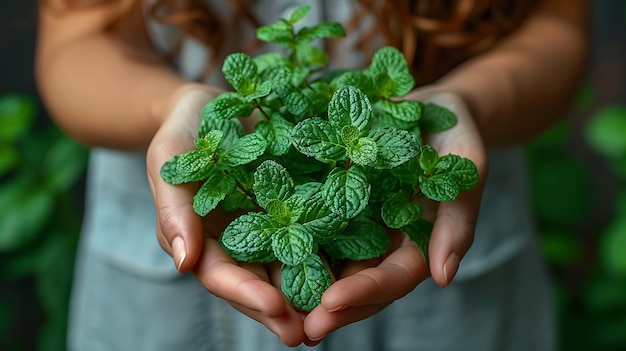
(365, 288)
(191, 240)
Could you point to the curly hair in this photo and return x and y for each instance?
(434, 35)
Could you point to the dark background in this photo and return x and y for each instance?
(591, 318)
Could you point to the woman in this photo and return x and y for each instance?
(104, 77)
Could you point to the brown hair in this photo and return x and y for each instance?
(434, 35)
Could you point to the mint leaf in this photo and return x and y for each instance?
(227, 105)
(311, 56)
(210, 141)
(279, 211)
(398, 211)
(322, 30)
(394, 146)
(436, 118)
(440, 187)
(419, 233)
(214, 189)
(299, 13)
(241, 72)
(324, 224)
(405, 110)
(304, 284)
(428, 158)
(346, 191)
(294, 101)
(277, 133)
(261, 256)
(191, 166)
(364, 152)
(247, 149)
(250, 233)
(292, 244)
(462, 169)
(236, 200)
(316, 137)
(391, 73)
(349, 106)
(408, 172)
(272, 181)
(231, 128)
(363, 239)
(279, 33)
(276, 74)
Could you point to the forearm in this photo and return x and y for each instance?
(528, 82)
(103, 87)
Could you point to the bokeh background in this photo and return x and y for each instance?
(577, 172)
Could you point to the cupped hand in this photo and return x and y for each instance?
(365, 288)
(192, 240)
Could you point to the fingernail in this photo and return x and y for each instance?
(318, 339)
(450, 267)
(179, 252)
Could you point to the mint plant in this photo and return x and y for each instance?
(336, 159)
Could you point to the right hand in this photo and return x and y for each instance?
(191, 240)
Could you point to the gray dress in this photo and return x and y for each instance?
(128, 295)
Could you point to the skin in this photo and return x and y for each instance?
(109, 88)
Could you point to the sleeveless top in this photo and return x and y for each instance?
(120, 216)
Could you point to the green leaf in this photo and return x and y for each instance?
(24, 210)
(428, 158)
(304, 284)
(441, 187)
(231, 128)
(292, 244)
(346, 192)
(9, 158)
(294, 100)
(279, 211)
(398, 211)
(250, 234)
(355, 78)
(419, 233)
(299, 13)
(261, 256)
(64, 163)
(462, 169)
(364, 152)
(241, 72)
(210, 141)
(245, 150)
(389, 66)
(405, 110)
(315, 137)
(408, 172)
(436, 118)
(349, 106)
(214, 189)
(276, 74)
(279, 33)
(394, 146)
(311, 56)
(324, 224)
(321, 30)
(17, 112)
(606, 130)
(191, 166)
(272, 181)
(227, 105)
(363, 239)
(277, 133)
(236, 200)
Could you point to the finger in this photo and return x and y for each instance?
(321, 322)
(179, 228)
(396, 276)
(248, 288)
(452, 236)
(224, 278)
(288, 326)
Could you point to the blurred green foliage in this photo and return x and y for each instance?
(590, 273)
(40, 218)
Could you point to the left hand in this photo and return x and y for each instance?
(365, 288)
